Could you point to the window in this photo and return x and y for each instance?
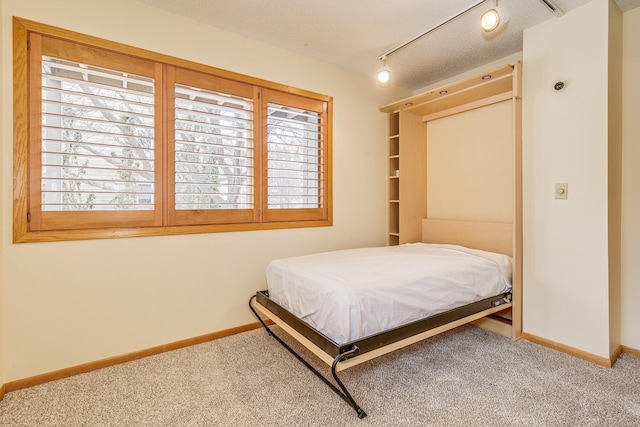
(295, 157)
(212, 149)
(112, 141)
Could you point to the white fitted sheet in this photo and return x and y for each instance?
(351, 294)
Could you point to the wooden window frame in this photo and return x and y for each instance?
(308, 214)
(164, 220)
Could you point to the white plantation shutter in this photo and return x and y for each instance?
(295, 153)
(97, 138)
(213, 150)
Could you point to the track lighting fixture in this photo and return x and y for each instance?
(384, 75)
(490, 20)
(493, 18)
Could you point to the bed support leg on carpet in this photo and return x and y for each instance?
(342, 391)
(347, 396)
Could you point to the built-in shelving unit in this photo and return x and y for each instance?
(407, 156)
(407, 141)
(406, 177)
(394, 178)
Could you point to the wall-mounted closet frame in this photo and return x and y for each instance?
(407, 161)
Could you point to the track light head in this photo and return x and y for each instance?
(490, 20)
(384, 75)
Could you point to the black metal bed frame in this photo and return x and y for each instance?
(342, 352)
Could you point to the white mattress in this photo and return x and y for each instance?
(351, 294)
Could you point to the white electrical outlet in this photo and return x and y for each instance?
(561, 190)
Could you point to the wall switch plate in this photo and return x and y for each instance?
(561, 190)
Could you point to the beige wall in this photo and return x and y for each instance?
(565, 139)
(631, 180)
(470, 165)
(67, 303)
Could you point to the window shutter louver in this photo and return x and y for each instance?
(97, 138)
(294, 167)
(213, 150)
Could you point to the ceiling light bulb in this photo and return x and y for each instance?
(490, 20)
(384, 75)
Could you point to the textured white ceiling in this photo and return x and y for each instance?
(353, 33)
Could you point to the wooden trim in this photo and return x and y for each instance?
(34, 126)
(516, 325)
(116, 360)
(327, 165)
(581, 354)
(113, 233)
(419, 337)
(20, 131)
(311, 214)
(616, 353)
(160, 154)
(209, 82)
(2, 391)
(467, 107)
(517, 80)
(461, 92)
(96, 56)
(159, 57)
(412, 183)
(259, 157)
(631, 351)
(204, 216)
(495, 326)
(83, 220)
(487, 236)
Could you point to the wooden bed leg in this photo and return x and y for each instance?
(342, 391)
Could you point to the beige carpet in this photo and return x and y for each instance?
(466, 377)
